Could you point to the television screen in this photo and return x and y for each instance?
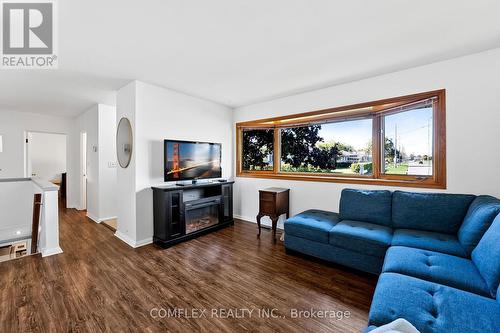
(192, 160)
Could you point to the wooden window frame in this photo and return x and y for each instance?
(375, 111)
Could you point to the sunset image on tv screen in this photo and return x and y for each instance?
(189, 160)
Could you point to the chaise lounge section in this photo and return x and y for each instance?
(438, 254)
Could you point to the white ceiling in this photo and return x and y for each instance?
(238, 52)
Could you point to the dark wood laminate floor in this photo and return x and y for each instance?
(101, 284)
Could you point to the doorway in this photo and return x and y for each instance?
(45, 156)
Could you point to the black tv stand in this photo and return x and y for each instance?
(186, 184)
(196, 182)
(188, 211)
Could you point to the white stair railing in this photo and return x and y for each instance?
(16, 215)
(49, 217)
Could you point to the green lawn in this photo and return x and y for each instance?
(401, 169)
(339, 170)
(344, 170)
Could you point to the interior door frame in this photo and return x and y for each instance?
(27, 152)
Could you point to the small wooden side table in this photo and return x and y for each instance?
(273, 202)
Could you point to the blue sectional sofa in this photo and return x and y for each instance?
(438, 255)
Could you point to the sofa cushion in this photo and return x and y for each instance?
(432, 307)
(335, 254)
(486, 256)
(427, 240)
(439, 212)
(399, 325)
(366, 206)
(312, 224)
(367, 238)
(436, 267)
(479, 217)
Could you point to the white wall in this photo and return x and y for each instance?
(15, 125)
(473, 117)
(47, 155)
(126, 179)
(107, 161)
(157, 114)
(100, 125)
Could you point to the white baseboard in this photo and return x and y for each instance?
(102, 219)
(51, 252)
(129, 241)
(93, 218)
(125, 238)
(245, 218)
(254, 220)
(99, 220)
(144, 242)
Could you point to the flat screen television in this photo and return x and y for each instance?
(189, 160)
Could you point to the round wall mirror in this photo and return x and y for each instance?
(124, 142)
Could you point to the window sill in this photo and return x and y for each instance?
(366, 180)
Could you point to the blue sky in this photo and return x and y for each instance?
(412, 131)
(356, 133)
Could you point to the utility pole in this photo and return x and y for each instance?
(429, 136)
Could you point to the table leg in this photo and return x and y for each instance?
(274, 219)
(258, 224)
